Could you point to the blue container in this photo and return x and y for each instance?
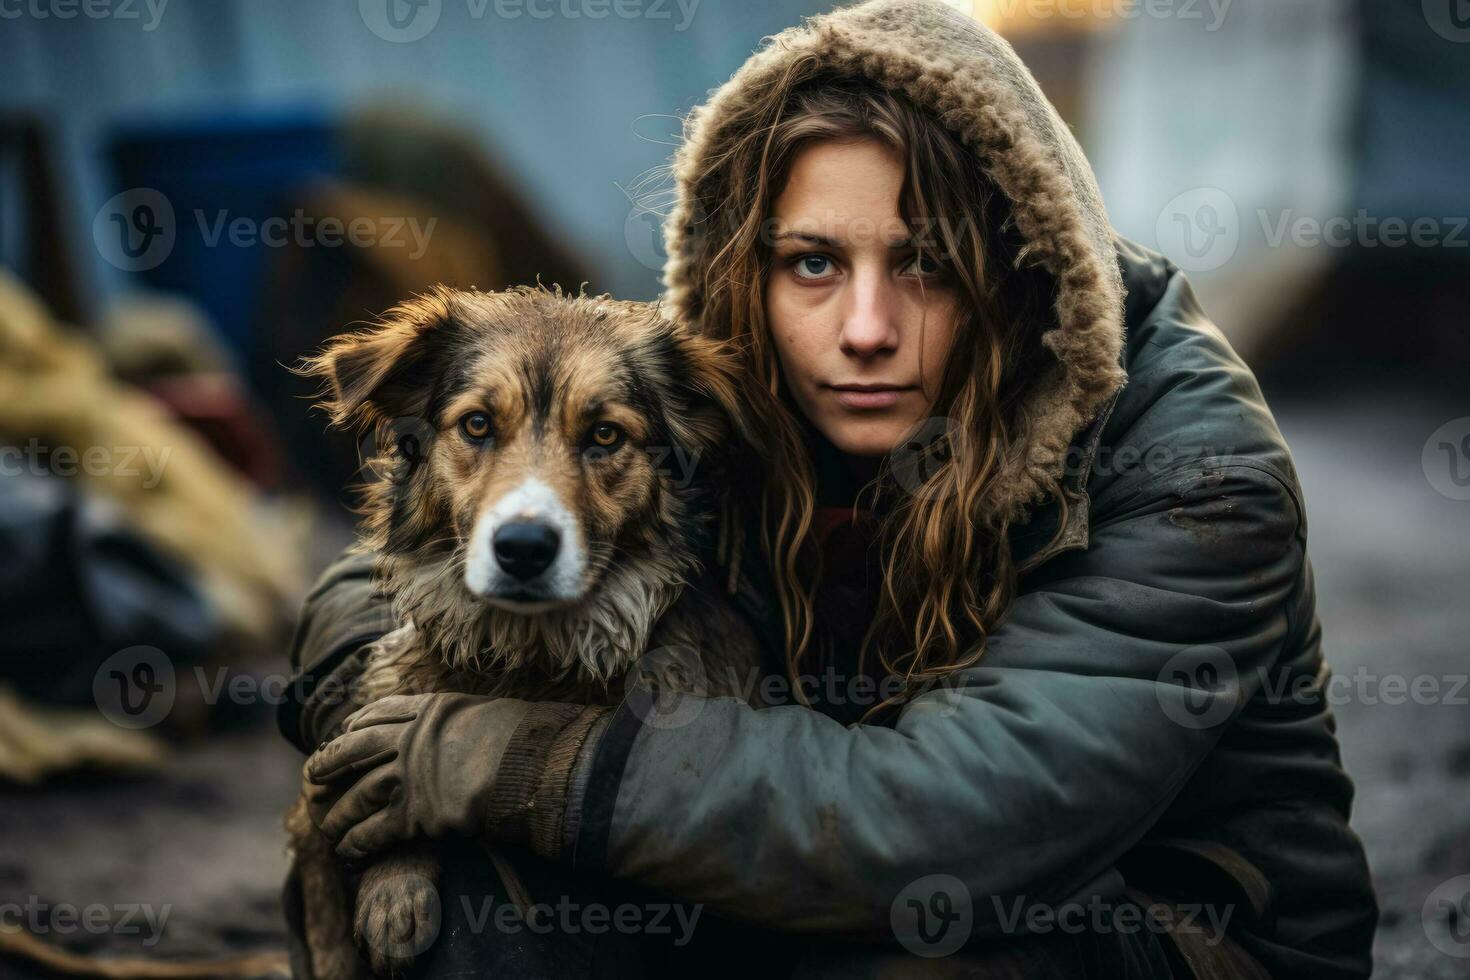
(214, 171)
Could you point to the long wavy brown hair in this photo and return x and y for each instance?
(947, 572)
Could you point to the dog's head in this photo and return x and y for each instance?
(534, 440)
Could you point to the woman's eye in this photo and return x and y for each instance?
(813, 267)
(924, 265)
(475, 426)
(605, 436)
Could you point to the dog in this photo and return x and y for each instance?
(551, 464)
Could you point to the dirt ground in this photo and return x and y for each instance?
(1392, 560)
(1392, 563)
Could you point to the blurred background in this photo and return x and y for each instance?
(194, 194)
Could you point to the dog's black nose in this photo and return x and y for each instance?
(525, 549)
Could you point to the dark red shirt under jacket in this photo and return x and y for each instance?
(846, 596)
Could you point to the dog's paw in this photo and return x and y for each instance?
(398, 916)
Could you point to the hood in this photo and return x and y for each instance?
(970, 79)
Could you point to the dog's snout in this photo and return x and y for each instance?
(525, 549)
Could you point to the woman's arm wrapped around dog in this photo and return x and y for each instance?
(342, 614)
(1027, 777)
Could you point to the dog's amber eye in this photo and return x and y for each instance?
(475, 426)
(605, 435)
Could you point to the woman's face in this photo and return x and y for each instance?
(846, 294)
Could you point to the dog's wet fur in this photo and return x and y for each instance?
(550, 471)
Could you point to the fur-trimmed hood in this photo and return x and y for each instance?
(972, 81)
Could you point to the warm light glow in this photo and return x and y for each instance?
(1013, 17)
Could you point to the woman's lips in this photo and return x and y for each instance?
(868, 396)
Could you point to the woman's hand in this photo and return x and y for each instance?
(432, 765)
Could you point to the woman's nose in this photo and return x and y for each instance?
(870, 324)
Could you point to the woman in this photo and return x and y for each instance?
(1014, 440)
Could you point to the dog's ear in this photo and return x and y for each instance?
(714, 380)
(384, 370)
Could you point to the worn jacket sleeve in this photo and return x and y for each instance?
(341, 615)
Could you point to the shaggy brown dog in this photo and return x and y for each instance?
(537, 514)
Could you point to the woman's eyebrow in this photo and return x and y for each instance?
(809, 238)
(823, 241)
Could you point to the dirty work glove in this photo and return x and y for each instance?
(415, 766)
